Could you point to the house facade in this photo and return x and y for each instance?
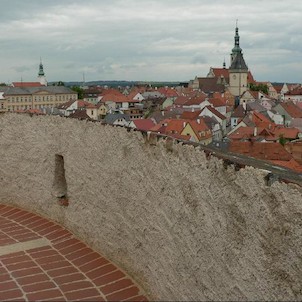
(24, 98)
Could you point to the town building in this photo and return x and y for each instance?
(235, 79)
(22, 96)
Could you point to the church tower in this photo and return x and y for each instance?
(41, 75)
(238, 70)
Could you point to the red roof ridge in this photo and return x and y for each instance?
(216, 112)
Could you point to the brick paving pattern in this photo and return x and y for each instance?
(40, 260)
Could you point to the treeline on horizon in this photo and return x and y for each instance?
(114, 83)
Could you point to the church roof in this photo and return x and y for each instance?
(218, 72)
(239, 63)
(208, 85)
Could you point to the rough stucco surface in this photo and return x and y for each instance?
(182, 226)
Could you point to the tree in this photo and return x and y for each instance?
(79, 90)
(282, 140)
(260, 87)
(60, 83)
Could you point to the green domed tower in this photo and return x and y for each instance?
(41, 75)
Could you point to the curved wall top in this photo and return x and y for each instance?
(184, 227)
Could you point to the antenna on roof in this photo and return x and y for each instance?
(83, 79)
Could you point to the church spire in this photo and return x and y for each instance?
(41, 71)
(41, 74)
(237, 49)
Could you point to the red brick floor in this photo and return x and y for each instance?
(60, 268)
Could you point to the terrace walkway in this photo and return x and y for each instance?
(40, 260)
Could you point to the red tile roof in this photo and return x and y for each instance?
(215, 112)
(168, 92)
(181, 100)
(217, 102)
(262, 121)
(278, 87)
(218, 72)
(132, 95)
(201, 129)
(137, 90)
(197, 100)
(80, 114)
(175, 126)
(289, 133)
(110, 91)
(291, 164)
(239, 112)
(264, 151)
(83, 104)
(254, 94)
(293, 110)
(295, 91)
(117, 98)
(210, 85)
(144, 124)
(91, 106)
(189, 115)
(299, 104)
(250, 78)
(161, 126)
(248, 132)
(35, 111)
(242, 133)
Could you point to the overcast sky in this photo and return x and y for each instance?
(152, 40)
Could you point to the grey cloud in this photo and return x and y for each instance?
(23, 68)
(147, 38)
(198, 59)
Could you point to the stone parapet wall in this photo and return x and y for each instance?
(183, 226)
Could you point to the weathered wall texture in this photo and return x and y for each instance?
(184, 227)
